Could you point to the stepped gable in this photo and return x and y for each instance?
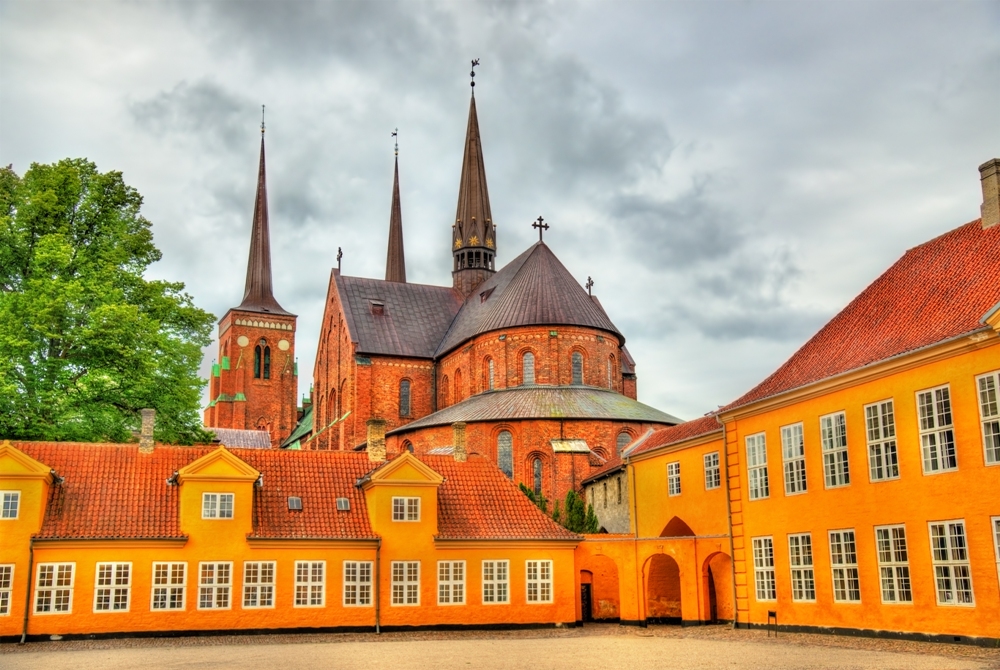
(937, 291)
(414, 317)
(476, 501)
(543, 402)
(533, 289)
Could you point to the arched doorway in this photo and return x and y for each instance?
(601, 574)
(663, 590)
(717, 580)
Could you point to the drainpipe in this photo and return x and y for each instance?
(27, 597)
(729, 517)
(378, 587)
(641, 595)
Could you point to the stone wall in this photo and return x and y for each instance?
(610, 498)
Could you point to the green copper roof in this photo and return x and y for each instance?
(304, 428)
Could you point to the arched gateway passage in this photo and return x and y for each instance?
(663, 590)
(717, 578)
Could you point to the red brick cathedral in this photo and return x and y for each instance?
(520, 365)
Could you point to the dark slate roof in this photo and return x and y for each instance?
(533, 289)
(248, 439)
(415, 318)
(543, 402)
(628, 363)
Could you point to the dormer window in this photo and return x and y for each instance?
(217, 505)
(11, 504)
(377, 307)
(294, 503)
(405, 509)
(343, 504)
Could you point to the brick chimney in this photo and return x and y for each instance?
(376, 440)
(146, 432)
(989, 173)
(458, 441)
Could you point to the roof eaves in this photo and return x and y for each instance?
(990, 314)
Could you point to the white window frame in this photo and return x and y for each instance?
(307, 587)
(880, 431)
(893, 564)
(214, 505)
(406, 509)
(758, 487)
(766, 589)
(713, 471)
(112, 587)
(451, 582)
(950, 561)
(8, 500)
(56, 589)
(538, 582)
(673, 479)
(801, 562)
(935, 456)
(988, 389)
(793, 459)
(836, 460)
(405, 583)
(218, 584)
(844, 566)
(6, 587)
(260, 579)
(358, 583)
(496, 587)
(995, 531)
(170, 588)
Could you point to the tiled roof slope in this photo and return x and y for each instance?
(234, 437)
(533, 289)
(476, 501)
(612, 465)
(415, 319)
(543, 402)
(663, 437)
(935, 292)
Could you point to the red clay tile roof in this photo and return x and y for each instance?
(937, 291)
(611, 466)
(706, 425)
(476, 501)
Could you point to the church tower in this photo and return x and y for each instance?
(255, 382)
(473, 239)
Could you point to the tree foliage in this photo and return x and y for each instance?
(85, 340)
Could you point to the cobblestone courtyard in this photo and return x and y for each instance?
(594, 646)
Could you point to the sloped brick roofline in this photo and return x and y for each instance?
(688, 430)
(936, 292)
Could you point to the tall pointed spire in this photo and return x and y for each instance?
(395, 261)
(258, 296)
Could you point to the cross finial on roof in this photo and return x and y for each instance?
(395, 134)
(541, 225)
(589, 285)
(262, 119)
(340, 254)
(475, 62)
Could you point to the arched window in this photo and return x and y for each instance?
(262, 361)
(458, 386)
(488, 375)
(267, 360)
(611, 366)
(443, 392)
(404, 397)
(257, 356)
(577, 359)
(528, 368)
(623, 439)
(536, 472)
(408, 446)
(505, 453)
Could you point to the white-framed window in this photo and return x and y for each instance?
(833, 435)
(800, 558)
(995, 527)
(217, 505)
(258, 584)
(893, 564)
(937, 437)
(310, 583)
(496, 584)
(6, 586)
(405, 509)
(793, 455)
(113, 587)
(357, 583)
(451, 582)
(844, 565)
(883, 461)
(989, 412)
(54, 588)
(950, 555)
(528, 368)
(11, 504)
(763, 568)
(713, 473)
(539, 581)
(673, 479)
(215, 581)
(757, 466)
(405, 583)
(169, 586)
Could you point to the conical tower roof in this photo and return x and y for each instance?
(473, 219)
(395, 261)
(258, 295)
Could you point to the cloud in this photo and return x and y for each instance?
(203, 111)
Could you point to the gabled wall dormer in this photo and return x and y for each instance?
(216, 501)
(390, 492)
(24, 490)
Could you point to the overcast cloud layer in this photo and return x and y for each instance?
(730, 174)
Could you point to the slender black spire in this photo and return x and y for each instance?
(395, 261)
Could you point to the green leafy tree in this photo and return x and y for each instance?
(541, 502)
(85, 340)
(576, 512)
(591, 524)
(557, 514)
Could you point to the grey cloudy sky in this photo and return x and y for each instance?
(730, 173)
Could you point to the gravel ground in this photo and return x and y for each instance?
(594, 646)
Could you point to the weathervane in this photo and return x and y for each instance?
(340, 254)
(395, 133)
(472, 74)
(589, 285)
(541, 225)
(262, 119)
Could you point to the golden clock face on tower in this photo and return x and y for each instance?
(283, 345)
(242, 340)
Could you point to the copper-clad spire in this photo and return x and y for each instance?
(258, 296)
(395, 261)
(473, 220)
